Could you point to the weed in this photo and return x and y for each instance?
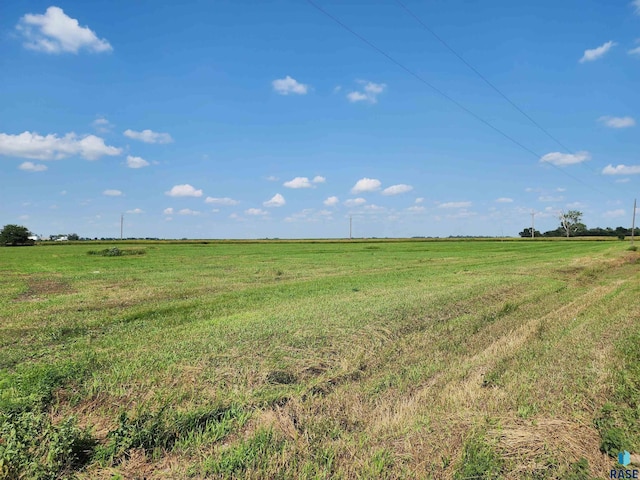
(479, 461)
(33, 447)
(117, 252)
(156, 432)
(251, 454)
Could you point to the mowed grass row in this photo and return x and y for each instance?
(326, 360)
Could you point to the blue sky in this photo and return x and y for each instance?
(251, 119)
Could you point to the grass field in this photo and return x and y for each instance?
(421, 359)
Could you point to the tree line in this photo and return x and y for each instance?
(571, 226)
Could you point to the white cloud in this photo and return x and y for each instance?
(504, 200)
(374, 208)
(135, 211)
(276, 201)
(455, 205)
(319, 179)
(32, 167)
(136, 162)
(419, 200)
(168, 211)
(549, 198)
(369, 94)
(287, 85)
(112, 193)
(331, 201)
(576, 205)
(636, 50)
(416, 209)
(397, 189)
(148, 136)
(272, 178)
(185, 190)
(636, 6)
(366, 185)
(222, 201)
(298, 182)
(614, 213)
(52, 147)
(55, 32)
(188, 211)
(621, 170)
(559, 159)
(617, 122)
(623, 180)
(598, 52)
(354, 202)
(256, 211)
(102, 125)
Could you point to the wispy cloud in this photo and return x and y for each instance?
(354, 202)
(454, 205)
(256, 211)
(102, 125)
(184, 190)
(112, 193)
(135, 211)
(397, 189)
(188, 211)
(636, 5)
(369, 92)
(560, 159)
(288, 85)
(55, 32)
(550, 198)
(504, 200)
(621, 170)
(319, 179)
(614, 213)
(598, 52)
(222, 201)
(617, 122)
(32, 167)
(148, 136)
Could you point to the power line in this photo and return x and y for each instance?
(443, 94)
(486, 80)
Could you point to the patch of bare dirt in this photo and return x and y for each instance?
(39, 287)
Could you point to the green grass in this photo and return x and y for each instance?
(397, 359)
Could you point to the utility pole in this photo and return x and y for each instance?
(633, 223)
(533, 214)
(350, 226)
(121, 224)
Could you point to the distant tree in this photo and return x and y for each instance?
(571, 222)
(73, 236)
(526, 233)
(15, 235)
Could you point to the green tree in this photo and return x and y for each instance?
(15, 235)
(526, 233)
(571, 222)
